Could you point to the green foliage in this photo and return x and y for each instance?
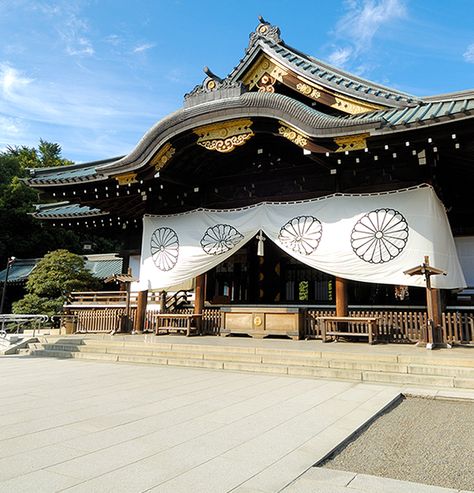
(47, 155)
(57, 274)
(20, 234)
(32, 303)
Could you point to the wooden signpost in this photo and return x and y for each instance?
(429, 337)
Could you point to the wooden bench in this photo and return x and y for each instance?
(331, 323)
(179, 322)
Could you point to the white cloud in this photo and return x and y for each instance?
(10, 127)
(113, 39)
(468, 55)
(361, 23)
(143, 47)
(340, 56)
(11, 81)
(71, 27)
(81, 47)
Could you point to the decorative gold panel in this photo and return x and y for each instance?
(266, 83)
(353, 107)
(351, 142)
(292, 135)
(308, 90)
(263, 66)
(126, 178)
(162, 157)
(224, 136)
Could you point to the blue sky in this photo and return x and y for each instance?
(95, 75)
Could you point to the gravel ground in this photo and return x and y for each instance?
(422, 440)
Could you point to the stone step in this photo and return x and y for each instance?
(297, 359)
(419, 375)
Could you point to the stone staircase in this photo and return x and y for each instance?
(415, 368)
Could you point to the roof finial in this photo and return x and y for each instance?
(267, 31)
(211, 74)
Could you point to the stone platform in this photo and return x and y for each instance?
(380, 363)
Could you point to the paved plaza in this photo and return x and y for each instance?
(75, 426)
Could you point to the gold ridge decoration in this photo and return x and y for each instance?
(308, 90)
(351, 142)
(224, 136)
(126, 179)
(162, 157)
(292, 135)
(266, 83)
(353, 107)
(263, 67)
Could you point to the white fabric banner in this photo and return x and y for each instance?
(370, 238)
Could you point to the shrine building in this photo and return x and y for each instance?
(287, 185)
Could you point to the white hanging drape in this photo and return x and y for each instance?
(370, 238)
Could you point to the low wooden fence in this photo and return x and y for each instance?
(392, 326)
(400, 326)
(211, 319)
(96, 320)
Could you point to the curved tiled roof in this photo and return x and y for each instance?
(82, 172)
(324, 74)
(427, 111)
(251, 104)
(65, 210)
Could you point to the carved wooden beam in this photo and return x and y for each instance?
(224, 136)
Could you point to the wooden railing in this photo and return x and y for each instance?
(98, 319)
(117, 298)
(211, 319)
(392, 326)
(401, 326)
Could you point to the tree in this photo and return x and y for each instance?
(56, 275)
(47, 155)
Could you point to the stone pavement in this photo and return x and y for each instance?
(75, 426)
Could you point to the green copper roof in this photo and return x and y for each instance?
(65, 210)
(101, 266)
(19, 271)
(82, 172)
(422, 113)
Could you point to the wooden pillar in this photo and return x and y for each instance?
(162, 301)
(342, 309)
(141, 312)
(199, 298)
(438, 336)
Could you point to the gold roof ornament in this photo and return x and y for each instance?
(224, 136)
(126, 179)
(351, 142)
(163, 156)
(264, 67)
(293, 135)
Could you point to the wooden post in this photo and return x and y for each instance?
(126, 327)
(199, 298)
(162, 301)
(141, 312)
(437, 316)
(342, 309)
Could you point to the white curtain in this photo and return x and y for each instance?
(369, 238)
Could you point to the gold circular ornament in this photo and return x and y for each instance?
(257, 321)
(263, 29)
(211, 85)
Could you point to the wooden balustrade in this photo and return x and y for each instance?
(113, 298)
(392, 326)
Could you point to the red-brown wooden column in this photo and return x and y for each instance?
(141, 312)
(341, 297)
(199, 298)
